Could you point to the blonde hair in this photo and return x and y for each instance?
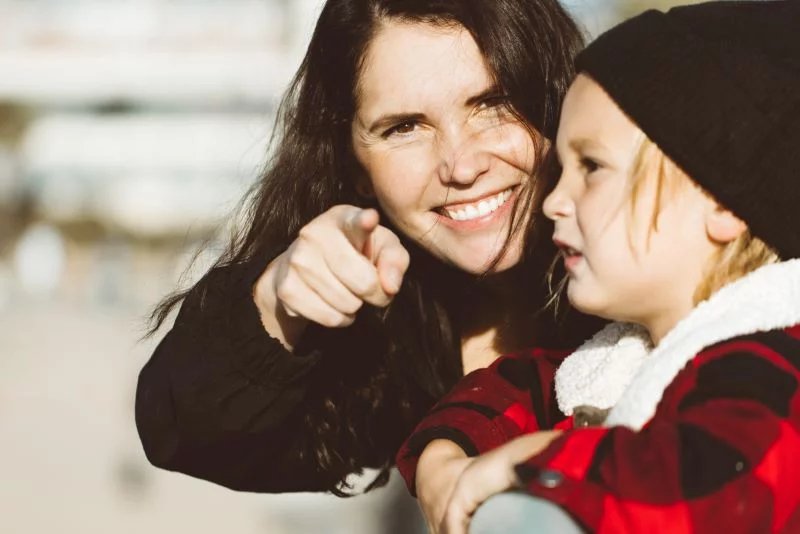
(730, 262)
(743, 255)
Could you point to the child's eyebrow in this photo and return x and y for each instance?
(583, 144)
(578, 145)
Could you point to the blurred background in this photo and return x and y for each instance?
(129, 129)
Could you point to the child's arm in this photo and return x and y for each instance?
(440, 466)
(487, 475)
(487, 408)
(721, 454)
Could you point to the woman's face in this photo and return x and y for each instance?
(444, 158)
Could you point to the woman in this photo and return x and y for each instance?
(434, 115)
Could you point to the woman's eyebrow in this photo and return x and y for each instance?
(489, 92)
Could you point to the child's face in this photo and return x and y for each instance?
(620, 265)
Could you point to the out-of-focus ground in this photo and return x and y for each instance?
(128, 131)
(70, 458)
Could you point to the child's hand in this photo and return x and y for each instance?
(439, 468)
(489, 474)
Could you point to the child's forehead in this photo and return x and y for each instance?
(590, 119)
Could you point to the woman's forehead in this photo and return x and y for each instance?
(413, 65)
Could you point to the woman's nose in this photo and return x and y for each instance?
(464, 159)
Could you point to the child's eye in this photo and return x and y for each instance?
(555, 167)
(589, 165)
(402, 128)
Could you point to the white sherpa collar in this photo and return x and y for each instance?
(618, 369)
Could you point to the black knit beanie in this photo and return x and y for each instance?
(717, 87)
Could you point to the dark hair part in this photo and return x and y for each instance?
(529, 46)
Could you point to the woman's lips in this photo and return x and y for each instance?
(480, 208)
(484, 212)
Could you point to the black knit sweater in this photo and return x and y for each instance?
(223, 401)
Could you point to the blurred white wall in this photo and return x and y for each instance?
(182, 53)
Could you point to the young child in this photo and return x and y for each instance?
(676, 213)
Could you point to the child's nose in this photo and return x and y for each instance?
(557, 204)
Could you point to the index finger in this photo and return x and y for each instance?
(358, 225)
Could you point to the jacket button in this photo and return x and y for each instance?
(550, 478)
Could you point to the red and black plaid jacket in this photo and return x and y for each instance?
(491, 406)
(721, 453)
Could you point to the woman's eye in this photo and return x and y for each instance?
(493, 102)
(402, 128)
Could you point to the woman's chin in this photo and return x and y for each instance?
(490, 263)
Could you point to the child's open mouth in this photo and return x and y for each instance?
(571, 255)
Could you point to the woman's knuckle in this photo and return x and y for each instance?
(328, 320)
(335, 319)
(362, 285)
(352, 306)
(306, 233)
(284, 292)
(404, 258)
(346, 320)
(301, 261)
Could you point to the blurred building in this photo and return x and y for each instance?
(140, 116)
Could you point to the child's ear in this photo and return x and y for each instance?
(723, 226)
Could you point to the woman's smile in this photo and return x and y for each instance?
(479, 213)
(476, 209)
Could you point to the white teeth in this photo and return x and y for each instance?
(481, 209)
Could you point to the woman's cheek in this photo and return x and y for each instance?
(404, 177)
(512, 143)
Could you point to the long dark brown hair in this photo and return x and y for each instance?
(382, 388)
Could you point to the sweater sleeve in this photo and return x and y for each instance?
(216, 398)
(488, 407)
(719, 455)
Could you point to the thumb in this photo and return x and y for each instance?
(358, 225)
(456, 520)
